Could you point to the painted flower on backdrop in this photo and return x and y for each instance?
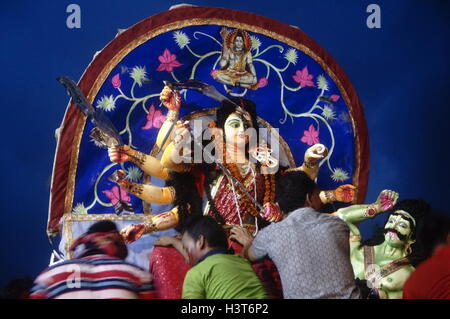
(322, 83)
(256, 43)
(181, 39)
(115, 194)
(139, 75)
(311, 136)
(328, 113)
(213, 72)
(339, 175)
(134, 174)
(115, 81)
(291, 56)
(79, 209)
(168, 61)
(334, 97)
(262, 82)
(303, 78)
(106, 103)
(155, 118)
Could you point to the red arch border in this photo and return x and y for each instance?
(65, 145)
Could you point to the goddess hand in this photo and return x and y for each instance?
(170, 99)
(120, 177)
(132, 232)
(345, 193)
(315, 153)
(120, 154)
(181, 132)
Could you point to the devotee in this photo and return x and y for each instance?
(431, 279)
(388, 258)
(98, 272)
(310, 249)
(216, 272)
(17, 289)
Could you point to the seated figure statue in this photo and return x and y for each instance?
(236, 62)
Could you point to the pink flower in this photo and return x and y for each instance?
(116, 81)
(213, 72)
(168, 61)
(303, 77)
(334, 97)
(262, 82)
(116, 193)
(155, 118)
(311, 136)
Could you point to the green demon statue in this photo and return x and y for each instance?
(386, 260)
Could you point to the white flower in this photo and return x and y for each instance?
(79, 209)
(134, 174)
(328, 113)
(256, 43)
(291, 56)
(345, 117)
(139, 75)
(106, 103)
(322, 83)
(339, 175)
(181, 39)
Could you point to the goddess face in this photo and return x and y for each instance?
(398, 229)
(238, 43)
(235, 131)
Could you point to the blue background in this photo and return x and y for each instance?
(401, 73)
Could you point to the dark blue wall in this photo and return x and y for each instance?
(400, 71)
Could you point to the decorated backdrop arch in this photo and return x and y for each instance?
(296, 85)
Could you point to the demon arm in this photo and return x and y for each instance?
(355, 214)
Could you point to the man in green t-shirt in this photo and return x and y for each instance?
(216, 272)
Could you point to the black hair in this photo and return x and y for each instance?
(434, 232)
(228, 108)
(17, 289)
(103, 226)
(291, 190)
(187, 197)
(210, 177)
(207, 227)
(418, 209)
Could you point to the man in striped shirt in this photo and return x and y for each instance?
(98, 272)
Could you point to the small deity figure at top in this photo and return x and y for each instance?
(236, 62)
